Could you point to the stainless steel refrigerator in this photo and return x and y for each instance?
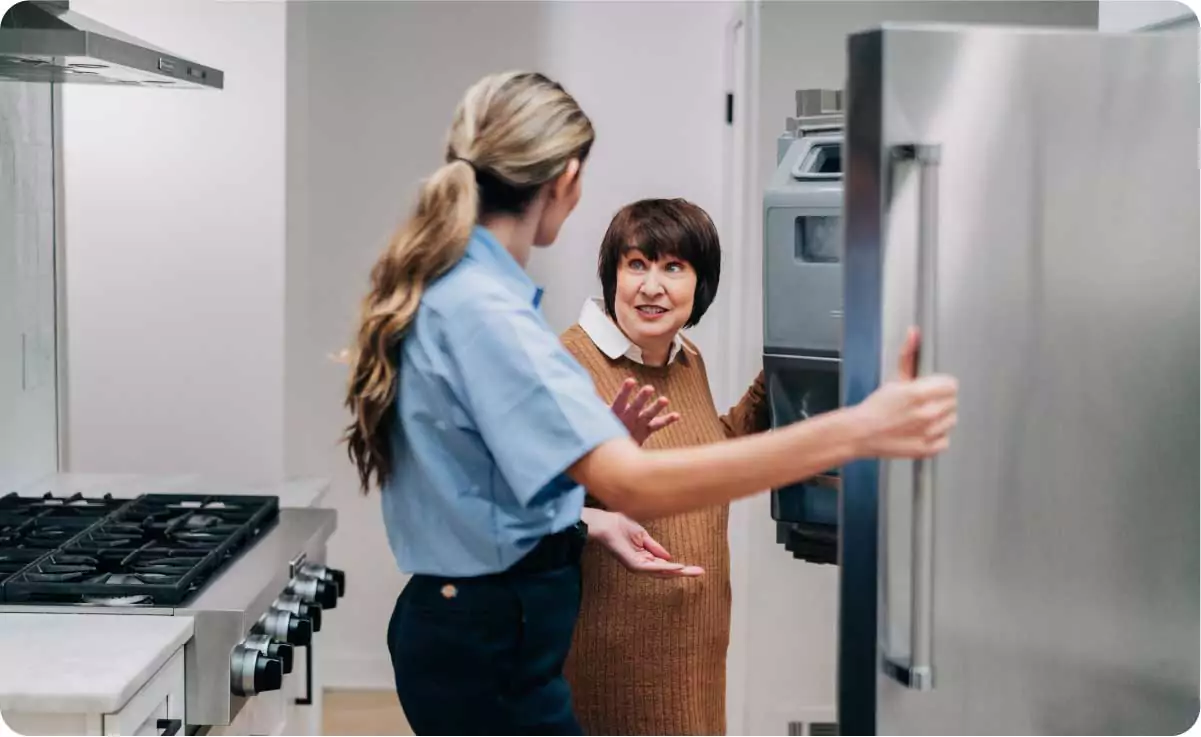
(1028, 198)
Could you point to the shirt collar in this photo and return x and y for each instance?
(605, 334)
(483, 248)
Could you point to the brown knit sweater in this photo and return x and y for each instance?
(649, 654)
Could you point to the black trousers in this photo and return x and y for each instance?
(485, 655)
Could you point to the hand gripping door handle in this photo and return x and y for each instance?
(916, 670)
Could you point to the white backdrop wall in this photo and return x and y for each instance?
(175, 251)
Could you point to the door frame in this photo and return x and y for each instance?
(739, 277)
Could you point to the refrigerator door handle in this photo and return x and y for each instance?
(917, 670)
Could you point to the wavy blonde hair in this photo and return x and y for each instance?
(512, 133)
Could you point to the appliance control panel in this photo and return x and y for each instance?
(260, 661)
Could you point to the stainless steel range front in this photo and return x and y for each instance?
(251, 575)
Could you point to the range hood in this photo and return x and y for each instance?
(45, 41)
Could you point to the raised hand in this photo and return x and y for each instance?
(641, 416)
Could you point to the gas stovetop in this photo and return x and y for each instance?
(155, 550)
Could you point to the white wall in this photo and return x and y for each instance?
(1133, 15)
(382, 80)
(175, 252)
(659, 120)
(791, 644)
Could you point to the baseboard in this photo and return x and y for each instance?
(357, 671)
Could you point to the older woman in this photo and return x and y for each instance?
(649, 656)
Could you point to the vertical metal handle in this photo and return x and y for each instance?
(916, 671)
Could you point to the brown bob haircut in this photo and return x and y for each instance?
(663, 228)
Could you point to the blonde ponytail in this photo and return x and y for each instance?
(511, 134)
(432, 241)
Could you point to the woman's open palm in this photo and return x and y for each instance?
(641, 416)
(634, 548)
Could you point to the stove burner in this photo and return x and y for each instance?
(203, 504)
(74, 502)
(54, 574)
(118, 579)
(158, 549)
(201, 521)
(132, 600)
(176, 565)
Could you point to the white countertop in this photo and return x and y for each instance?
(297, 493)
(82, 663)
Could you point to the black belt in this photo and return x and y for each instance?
(554, 551)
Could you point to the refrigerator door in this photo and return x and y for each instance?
(1030, 198)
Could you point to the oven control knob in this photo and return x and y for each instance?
(286, 626)
(290, 603)
(272, 649)
(251, 672)
(314, 591)
(324, 573)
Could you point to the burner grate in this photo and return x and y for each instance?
(31, 527)
(158, 549)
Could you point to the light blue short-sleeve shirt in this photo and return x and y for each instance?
(492, 411)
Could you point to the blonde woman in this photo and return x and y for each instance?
(481, 430)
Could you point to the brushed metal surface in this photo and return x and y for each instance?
(1067, 511)
(231, 604)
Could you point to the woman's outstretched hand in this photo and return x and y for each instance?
(633, 547)
(909, 416)
(641, 416)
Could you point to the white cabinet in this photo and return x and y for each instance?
(156, 708)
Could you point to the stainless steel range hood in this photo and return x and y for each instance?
(45, 41)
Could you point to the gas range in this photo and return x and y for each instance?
(157, 549)
(251, 575)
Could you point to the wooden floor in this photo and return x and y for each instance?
(363, 712)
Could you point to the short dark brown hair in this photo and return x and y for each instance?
(658, 228)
